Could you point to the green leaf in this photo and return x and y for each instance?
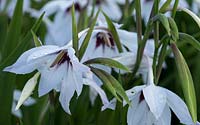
(14, 30)
(36, 39)
(163, 19)
(87, 38)
(22, 46)
(186, 82)
(165, 6)
(192, 14)
(27, 90)
(174, 29)
(7, 80)
(74, 30)
(111, 83)
(183, 37)
(108, 62)
(3, 30)
(113, 30)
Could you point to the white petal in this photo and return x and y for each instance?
(93, 95)
(17, 113)
(27, 90)
(23, 65)
(98, 89)
(16, 94)
(129, 39)
(165, 118)
(178, 107)
(67, 92)
(156, 99)
(197, 123)
(30, 101)
(131, 93)
(51, 78)
(43, 51)
(53, 6)
(76, 79)
(110, 105)
(108, 8)
(137, 111)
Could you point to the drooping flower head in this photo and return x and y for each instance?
(152, 104)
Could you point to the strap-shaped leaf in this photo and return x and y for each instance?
(164, 20)
(87, 38)
(36, 39)
(22, 46)
(3, 30)
(74, 30)
(183, 37)
(108, 62)
(111, 83)
(193, 15)
(27, 90)
(7, 80)
(186, 82)
(113, 30)
(14, 30)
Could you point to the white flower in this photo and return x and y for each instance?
(11, 6)
(59, 30)
(151, 104)
(108, 6)
(60, 70)
(102, 44)
(16, 95)
(147, 5)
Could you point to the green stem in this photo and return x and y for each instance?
(156, 37)
(52, 108)
(175, 8)
(142, 44)
(138, 21)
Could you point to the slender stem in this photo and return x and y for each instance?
(156, 37)
(142, 46)
(138, 21)
(175, 8)
(52, 108)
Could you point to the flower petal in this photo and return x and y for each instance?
(51, 78)
(23, 65)
(156, 99)
(101, 93)
(67, 91)
(165, 118)
(110, 105)
(17, 113)
(178, 107)
(137, 111)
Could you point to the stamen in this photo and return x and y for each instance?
(61, 58)
(104, 39)
(76, 6)
(141, 97)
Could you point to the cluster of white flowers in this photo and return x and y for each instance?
(63, 72)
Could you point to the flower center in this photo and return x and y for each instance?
(76, 6)
(104, 39)
(61, 58)
(148, 0)
(141, 97)
(98, 2)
